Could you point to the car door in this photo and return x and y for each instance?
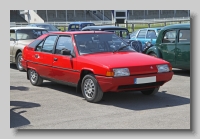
(168, 45)
(151, 36)
(13, 42)
(141, 36)
(183, 49)
(42, 57)
(63, 65)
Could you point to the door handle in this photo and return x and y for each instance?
(55, 59)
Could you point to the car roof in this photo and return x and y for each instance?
(154, 28)
(81, 22)
(80, 32)
(15, 28)
(184, 25)
(104, 27)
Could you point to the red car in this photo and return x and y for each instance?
(95, 62)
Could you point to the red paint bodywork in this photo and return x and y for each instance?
(68, 69)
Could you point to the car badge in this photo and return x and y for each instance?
(151, 67)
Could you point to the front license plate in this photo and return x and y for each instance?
(145, 80)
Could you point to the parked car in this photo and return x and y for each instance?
(144, 35)
(49, 27)
(93, 62)
(173, 45)
(77, 26)
(19, 37)
(120, 31)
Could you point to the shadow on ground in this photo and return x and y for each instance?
(16, 119)
(133, 100)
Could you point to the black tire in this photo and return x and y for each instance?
(91, 89)
(18, 63)
(34, 77)
(151, 91)
(153, 54)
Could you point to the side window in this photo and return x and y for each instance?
(117, 32)
(151, 34)
(142, 34)
(72, 27)
(64, 42)
(169, 37)
(49, 44)
(39, 47)
(12, 34)
(184, 36)
(125, 34)
(77, 27)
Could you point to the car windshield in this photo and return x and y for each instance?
(97, 43)
(48, 27)
(26, 34)
(133, 34)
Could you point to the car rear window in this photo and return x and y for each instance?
(184, 36)
(151, 34)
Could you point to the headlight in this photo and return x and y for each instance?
(121, 72)
(163, 68)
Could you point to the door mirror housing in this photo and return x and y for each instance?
(65, 52)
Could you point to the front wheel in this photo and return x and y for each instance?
(150, 91)
(34, 77)
(91, 89)
(18, 62)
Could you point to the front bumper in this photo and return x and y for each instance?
(117, 84)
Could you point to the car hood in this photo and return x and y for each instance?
(136, 62)
(25, 42)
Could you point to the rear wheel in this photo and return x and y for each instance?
(150, 91)
(34, 77)
(91, 89)
(18, 62)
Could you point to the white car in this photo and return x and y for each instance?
(19, 38)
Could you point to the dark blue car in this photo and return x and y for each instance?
(77, 26)
(49, 27)
(146, 34)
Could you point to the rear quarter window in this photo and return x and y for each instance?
(35, 43)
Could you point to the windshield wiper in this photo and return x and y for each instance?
(120, 48)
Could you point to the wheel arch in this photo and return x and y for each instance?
(155, 50)
(82, 74)
(17, 52)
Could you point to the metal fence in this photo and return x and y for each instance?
(131, 24)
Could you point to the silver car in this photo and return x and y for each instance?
(19, 38)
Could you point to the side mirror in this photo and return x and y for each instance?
(65, 52)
